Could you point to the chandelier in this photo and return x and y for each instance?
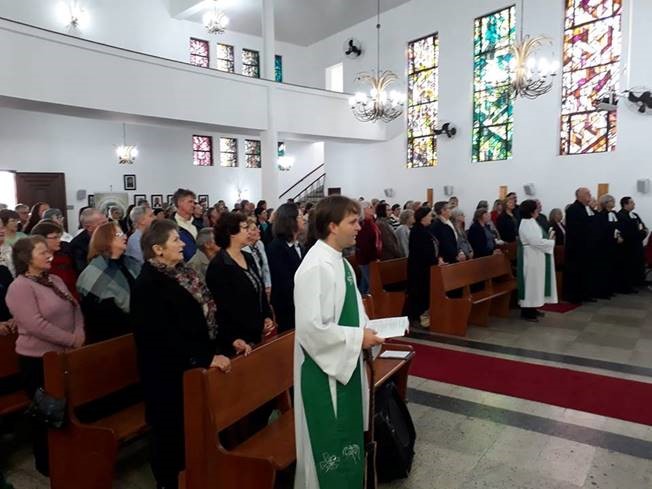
(380, 103)
(532, 73)
(127, 154)
(73, 13)
(215, 21)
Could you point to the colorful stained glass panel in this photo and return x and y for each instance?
(588, 45)
(250, 63)
(225, 58)
(199, 52)
(580, 12)
(202, 150)
(423, 92)
(278, 68)
(228, 152)
(493, 115)
(252, 153)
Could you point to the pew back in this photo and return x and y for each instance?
(16, 399)
(389, 303)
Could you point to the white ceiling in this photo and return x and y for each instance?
(301, 22)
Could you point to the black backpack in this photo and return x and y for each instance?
(394, 434)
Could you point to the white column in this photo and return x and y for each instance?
(269, 150)
(269, 38)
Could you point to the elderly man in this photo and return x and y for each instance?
(23, 213)
(206, 250)
(90, 219)
(53, 214)
(184, 201)
(578, 272)
(142, 217)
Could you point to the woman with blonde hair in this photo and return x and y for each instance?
(105, 284)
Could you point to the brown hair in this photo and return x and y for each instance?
(102, 239)
(157, 234)
(45, 227)
(333, 209)
(22, 252)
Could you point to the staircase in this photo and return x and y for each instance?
(309, 188)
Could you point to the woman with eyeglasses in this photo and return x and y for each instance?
(243, 313)
(63, 265)
(105, 284)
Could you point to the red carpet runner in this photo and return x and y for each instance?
(598, 394)
(562, 307)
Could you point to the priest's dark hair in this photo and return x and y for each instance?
(624, 201)
(527, 208)
(227, 226)
(333, 209)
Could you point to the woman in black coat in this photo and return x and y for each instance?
(557, 226)
(423, 254)
(284, 256)
(507, 223)
(175, 330)
(480, 236)
(234, 280)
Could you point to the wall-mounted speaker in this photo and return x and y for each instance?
(448, 190)
(643, 185)
(529, 189)
(389, 192)
(81, 194)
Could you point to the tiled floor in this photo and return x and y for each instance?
(468, 439)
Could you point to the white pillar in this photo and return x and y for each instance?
(268, 39)
(269, 150)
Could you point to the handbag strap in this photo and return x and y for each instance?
(368, 357)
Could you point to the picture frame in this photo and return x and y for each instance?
(203, 200)
(138, 197)
(169, 198)
(91, 200)
(129, 182)
(156, 201)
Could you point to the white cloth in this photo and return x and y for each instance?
(319, 289)
(535, 249)
(261, 261)
(295, 245)
(589, 211)
(186, 224)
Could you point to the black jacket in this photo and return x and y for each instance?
(477, 236)
(283, 263)
(241, 306)
(560, 234)
(507, 227)
(423, 255)
(5, 281)
(447, 241)
(79, 250)
(171, 337)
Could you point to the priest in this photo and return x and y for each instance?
(331, 388)
(634, 233)
(536, 264)
(578, 272)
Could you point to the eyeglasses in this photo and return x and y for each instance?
(119, 234)
(56, 236)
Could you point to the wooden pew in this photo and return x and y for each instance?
(13, 399)
(214, 401)
(83, 453)
(451, 315)
(383, 273)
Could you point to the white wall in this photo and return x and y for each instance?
(85, 151)
(307, 156)
(366, 169)
(146, 26)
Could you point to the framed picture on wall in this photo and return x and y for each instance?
(139, 197)
(169, 198)
(91, 200)
(203, 200)
(157, 200)
(130, 182)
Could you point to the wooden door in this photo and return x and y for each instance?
(334, 191)
(42, 187)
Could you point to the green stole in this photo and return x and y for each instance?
(520, 275)
(337, 441)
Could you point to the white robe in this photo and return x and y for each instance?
(535, 249)
(319, 289)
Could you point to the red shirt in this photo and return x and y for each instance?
(369, 243)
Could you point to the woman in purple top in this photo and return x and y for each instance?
(47, 317)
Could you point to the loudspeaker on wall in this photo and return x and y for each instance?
(643, 185)
(529, 189)
(81, 194)
(389, 192)
(448, 190)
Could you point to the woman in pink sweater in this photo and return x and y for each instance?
(47, 317)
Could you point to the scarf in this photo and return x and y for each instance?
(45, 280)
(105, 279)
(192, 282)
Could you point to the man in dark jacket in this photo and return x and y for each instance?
(368, 245)
(442, 229)
(184, 201)
(578, 275)
(90, 219)
(633, 232)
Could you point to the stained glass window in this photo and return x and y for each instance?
(252, 153)
(202, 151)
(423, 90)
(228, 152)
(250, 63)
(493, 109)
(280, 149)
(225, 58)
(198, 52)
(592, 48)
(278, 68)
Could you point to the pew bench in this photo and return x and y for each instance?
(84, 452)
(215, 401)
(387, 284)
(13, 398)
(469, 303)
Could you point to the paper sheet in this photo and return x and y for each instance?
(390, 327)
(400, 354)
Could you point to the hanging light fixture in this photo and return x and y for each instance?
(380, 103)
(215, 21)
(127, 154)
(285, 162)
(532, 73)
(73, 13)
